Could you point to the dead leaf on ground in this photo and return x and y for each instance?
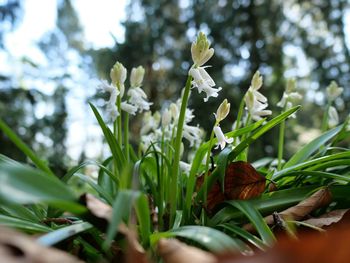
(241, 181)
(174, 251)
(298, 212)
(327, 219)
(98, 208)
(313, 247)
(16, 247)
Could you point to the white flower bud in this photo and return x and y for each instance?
(136, 76)
(200, 50)
(333, 91)
(222, 111)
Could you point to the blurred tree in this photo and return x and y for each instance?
(283, 39)
(34, 103)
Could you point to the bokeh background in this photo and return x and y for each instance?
(53, 53)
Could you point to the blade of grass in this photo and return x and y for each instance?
(23, 224)
(310, 148)
(25, 149)
(257, 220)
(63, 233)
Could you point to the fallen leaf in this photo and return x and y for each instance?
(135, 252)
(174, 251)
(98, 208)
(16, 247)
(327, 219)
(242, 181)
(215, 195)
(320, 198)
(308, 248)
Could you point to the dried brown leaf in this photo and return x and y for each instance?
(327, 219)
(16, 247)
(319, 199)
(98, 208)
(174, 251)
(242, 181)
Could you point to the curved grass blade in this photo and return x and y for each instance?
(121, 210)
(23, 224)
(321, 160)
(111, 140)
(63, 233)
(144, 218)
(244, 234)
(305, 152)
(104, 194)
(19, 211)
(25, 149)
(257, 220)
(266, 204)
(75, 169)
(22, 184)
(210, 238)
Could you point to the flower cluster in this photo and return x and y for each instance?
(201, 53)
(290, 96)
(137, 98)
(221, 114)
(256, 103)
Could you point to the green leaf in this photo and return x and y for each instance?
(21, 184)
(121, 210)
(257, 220)
(144, 218)
(19, 211)
(244, 234)
(266, 204)
(23, 224)
(25, 149)
(310, 148)
(104, 194)
(210, 238)
(75, 169)
(318, 161)
(63, 233)
(111, 140)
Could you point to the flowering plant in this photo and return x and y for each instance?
(158, 193)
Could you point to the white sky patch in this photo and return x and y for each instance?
(101, 21)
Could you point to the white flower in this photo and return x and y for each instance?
(222, 139)
(166, 118)
(255, 107)
(118, 76)
(185, 167)
(131, 109)
(256, 103)
(333, 91)
(138, 98)
(193, 134)
(222, 111)
(200, 50)
(203, 82)
(150, 122)
(112, 109)
(333, 118)
(289, 97)
(136, 76)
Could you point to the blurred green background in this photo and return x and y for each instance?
(44, 88)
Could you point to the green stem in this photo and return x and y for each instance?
(239, 117)
(281, 144)
(177, 149)
(119, 122)
(205, 184)
(325, 117)
(126, 136)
